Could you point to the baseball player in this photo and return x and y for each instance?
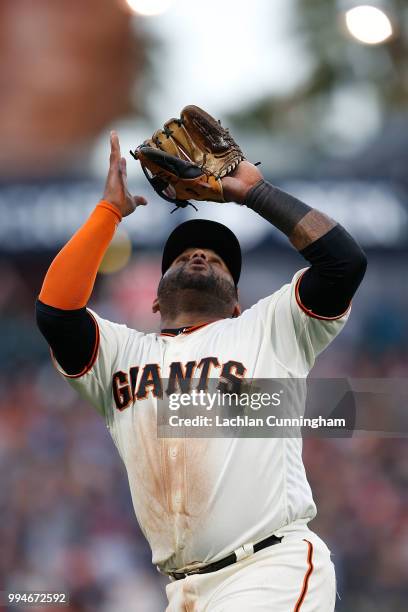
(226, 518)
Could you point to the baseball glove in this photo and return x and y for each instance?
(189, 157)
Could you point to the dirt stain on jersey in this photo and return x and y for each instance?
(171, 482)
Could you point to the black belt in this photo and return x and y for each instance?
(241, 553)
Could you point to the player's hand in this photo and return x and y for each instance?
(237, 184)
(116, 189)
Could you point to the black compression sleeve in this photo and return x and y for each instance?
(338, 267)
(337, 262)
(71, 334)
(281, 209)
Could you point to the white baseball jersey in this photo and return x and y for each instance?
(198, 499)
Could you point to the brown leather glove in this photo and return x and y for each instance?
(189, 157)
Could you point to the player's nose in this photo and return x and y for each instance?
(198, 253)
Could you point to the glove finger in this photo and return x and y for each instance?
(157, 139)
(164, 142)
(177, 141)
(224, 153)
(206, 129)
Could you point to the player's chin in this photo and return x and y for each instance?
(200, 280)
(197, 279)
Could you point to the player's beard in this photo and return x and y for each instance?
(188, 291)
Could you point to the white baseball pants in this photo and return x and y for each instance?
(296, 575)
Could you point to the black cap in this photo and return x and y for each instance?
(200, 233)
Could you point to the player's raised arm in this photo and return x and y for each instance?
(61, 308)
(196, 157)
(337, 262)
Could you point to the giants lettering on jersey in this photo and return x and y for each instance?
(136, 384)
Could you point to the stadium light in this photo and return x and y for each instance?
(149, 8)
(368, 24)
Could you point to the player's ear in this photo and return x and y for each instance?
(236, 311)
(155, 305)
(237, 308)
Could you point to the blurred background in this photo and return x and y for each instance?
(316, 90)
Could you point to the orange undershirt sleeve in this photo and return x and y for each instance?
(69, 281)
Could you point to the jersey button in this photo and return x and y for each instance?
(173, 452)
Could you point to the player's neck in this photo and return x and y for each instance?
(188, 320)
(189, 307)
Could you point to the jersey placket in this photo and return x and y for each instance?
(174, 457)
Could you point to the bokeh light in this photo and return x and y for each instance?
(368, 24)
(118, 253)
(149, 7)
